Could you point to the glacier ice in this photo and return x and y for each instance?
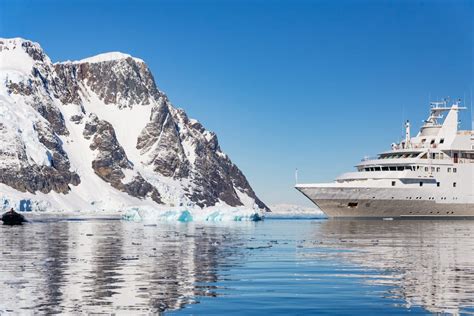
(192, 214)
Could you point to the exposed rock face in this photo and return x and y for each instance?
(52, 115)
(34, 51)
(67, 80)
(215, 178)
(123, 82)
(168, 158)
(160, 142)
(27, 177)
(111, 160)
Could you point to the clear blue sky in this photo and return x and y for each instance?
(310, 84)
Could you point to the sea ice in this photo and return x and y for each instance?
(192, 214)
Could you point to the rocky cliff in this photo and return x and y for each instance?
(98, 133)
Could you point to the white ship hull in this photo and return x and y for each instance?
(385, 203)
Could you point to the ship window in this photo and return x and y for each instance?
(393, 183)
(455, 170)
(432, 141)
(438, 184)
(384, 168)
(441, 141)
(449, 169)
(454, 184)
(426, 168)
(438, 169)
(393, 168)
(352, 204)
(400, 168)
(377, 168)
(421, 184)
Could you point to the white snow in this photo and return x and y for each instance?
(128, 122)
(189, 150)
(19, 132)
(207, 135)
(14, 58)
(107, 57)
(16, 116)
(129, 175)
(92, 193)
(245, 199)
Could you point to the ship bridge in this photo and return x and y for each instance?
(438, 147)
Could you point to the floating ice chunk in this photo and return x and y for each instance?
(132, 215)
(192, 214)
(185, 216)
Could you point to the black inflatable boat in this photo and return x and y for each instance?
(13, 218)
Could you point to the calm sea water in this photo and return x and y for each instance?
(271, 267)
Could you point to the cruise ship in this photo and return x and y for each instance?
(429, 175)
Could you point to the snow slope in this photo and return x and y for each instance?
(141, 153)
(111, 56)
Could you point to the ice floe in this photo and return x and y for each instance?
(192, 214)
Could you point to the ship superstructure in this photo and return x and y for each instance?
(431, 174)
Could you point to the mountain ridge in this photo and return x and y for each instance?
(102, 124)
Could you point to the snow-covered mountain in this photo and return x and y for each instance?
(98, 134)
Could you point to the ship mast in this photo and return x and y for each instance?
(407, 135)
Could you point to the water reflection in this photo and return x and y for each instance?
(90, 266)
(428, 263)
(294, 267)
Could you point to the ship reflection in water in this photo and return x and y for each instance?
(425, 263)
(271, 267)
